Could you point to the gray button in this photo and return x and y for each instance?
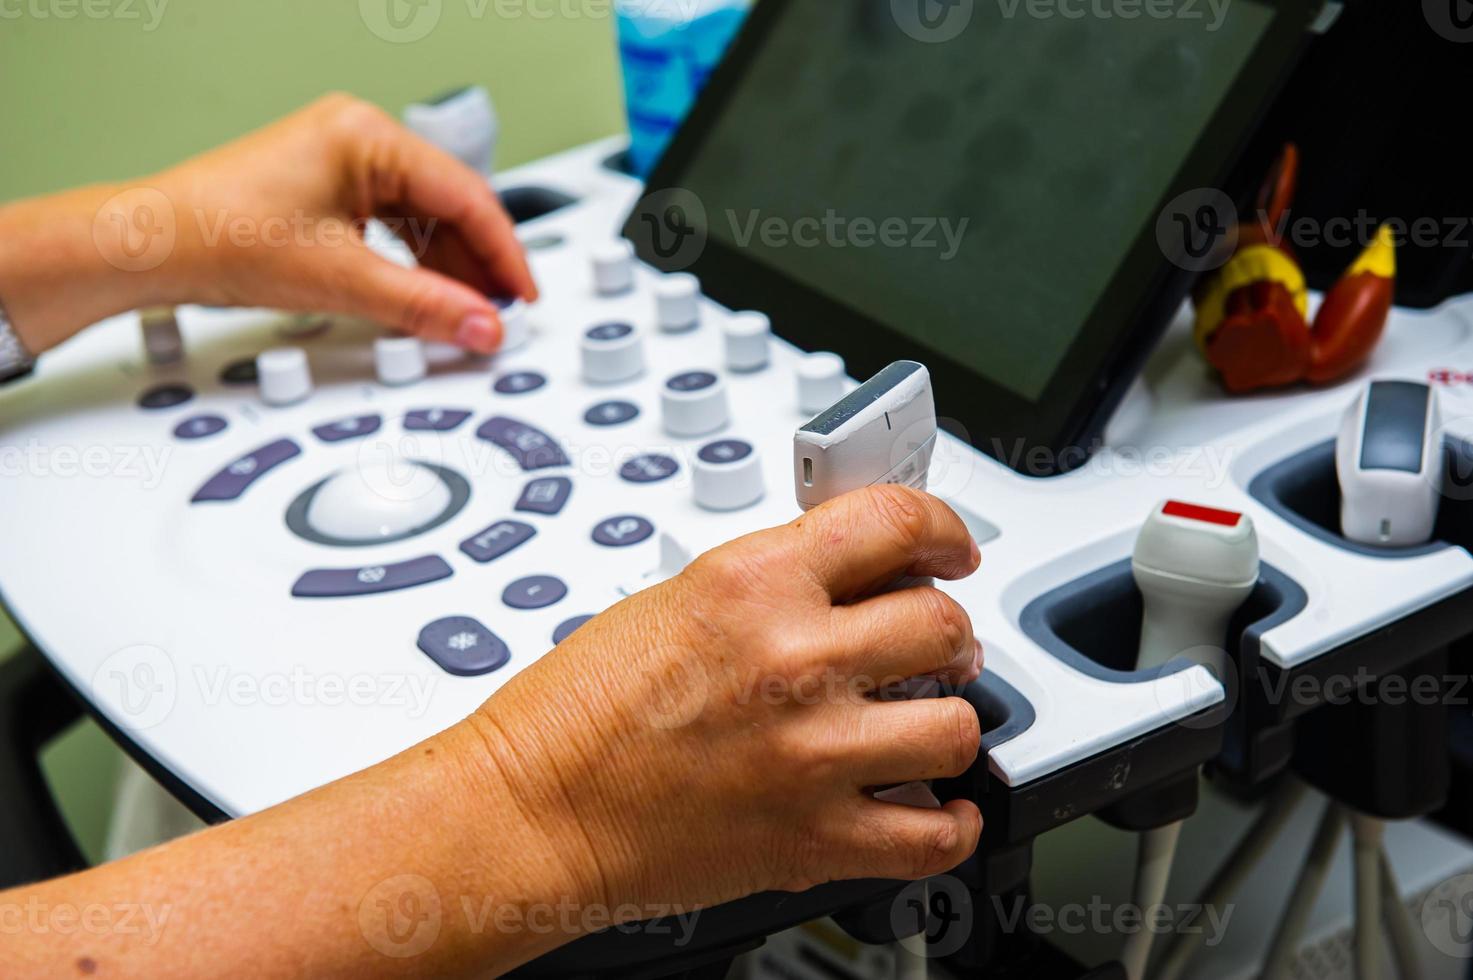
(649, 469)
(329, 583)
(497, 540)
(725, 451)
(611, 413)
(548, 495)
(353, 428)
(532, 448)
(519, 383)
(200, 427)
(462, 646)
(609, 331)
(237, 478)
(621, 532)
(567, 628)
(165, 396)
(692, 381)
(435, 419)
(536, 592)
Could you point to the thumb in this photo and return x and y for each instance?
(421, 302)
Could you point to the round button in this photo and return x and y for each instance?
(241, 372)
(378, 501)
(611, 352)
(285, 376)
(746, 337)
(567, 628)
(678, 302)
(536, 592)
(649, 469)
(727, 475)
(693, 403)
(516, 324)
(611, 413)
(399, 360)
(623, 531)
(820, 382)
(613, 267)
(519, 383)
(200, 427)
(165, 396)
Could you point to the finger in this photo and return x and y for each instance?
(889, 840)
(417, 301)
(867, 539)
(906, 741)
(916, 632)
(421, 179)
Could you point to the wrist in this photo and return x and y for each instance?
(518, 799)
(72, 259)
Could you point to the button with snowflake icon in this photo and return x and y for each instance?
(462, 646)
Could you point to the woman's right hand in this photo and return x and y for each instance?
(717, 736)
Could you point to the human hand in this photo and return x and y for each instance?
(274, 219)
(716, 735)
(317, 176)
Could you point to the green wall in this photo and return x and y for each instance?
(107, 89)
(138, 84)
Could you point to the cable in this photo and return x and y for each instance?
(1306, 890)
(911, 960)
(1152, 873)
(1398, 923)
(1368, 833)
(1230, 874)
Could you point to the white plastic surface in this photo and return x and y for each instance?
(252, 696)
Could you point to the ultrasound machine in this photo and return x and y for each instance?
(1011, 215)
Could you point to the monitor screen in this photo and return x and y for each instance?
(984, 200)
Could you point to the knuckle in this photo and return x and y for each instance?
(965, 736)
(732, 570)
(935, 850)
(904, 510)
(947, 620)
(421, 307)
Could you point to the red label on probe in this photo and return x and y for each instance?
(1196, 512)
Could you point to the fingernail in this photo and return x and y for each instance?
(976, 553)
(477, 333)
(977, 660)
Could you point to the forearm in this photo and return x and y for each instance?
(422, 865)
(72, 259)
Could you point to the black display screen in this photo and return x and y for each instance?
(985, 202)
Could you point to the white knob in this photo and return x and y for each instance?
(516, 326)
(746, 336)
(678, 302)
(284, 375)
(462, 123)
(820, 382)
(727, 475)
(693, 403)
(399, 360)
(613, 267)
(612, 352)
(1194, 566)
(162, 342)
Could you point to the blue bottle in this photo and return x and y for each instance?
(668, 48)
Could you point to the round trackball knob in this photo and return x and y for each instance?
(1195, 566)
(820, 382)
(745, 337)
(399, 360)
(516, 328)
(612, 352)
(727, 475)
(693, 404)
(613, 267)
(678, 302)
(283, 375)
